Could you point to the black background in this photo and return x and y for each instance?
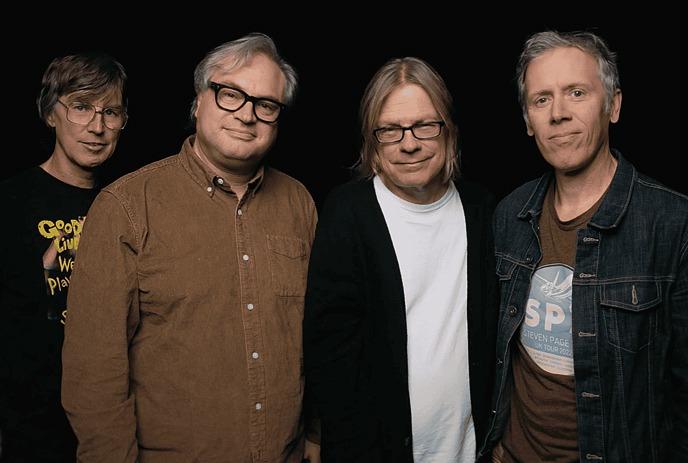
(335, 57)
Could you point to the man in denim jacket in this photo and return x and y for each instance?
(592, 344)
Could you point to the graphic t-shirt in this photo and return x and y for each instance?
(542, 422)
(42, 224)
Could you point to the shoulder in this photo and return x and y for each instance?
(278, 180)
(133, 180)
(474, 194)
(651, 187)
(353, 190)
(512, 203)
(20, 181)
(659, 206)
(345, 202)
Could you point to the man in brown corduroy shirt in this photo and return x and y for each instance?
(183, 339)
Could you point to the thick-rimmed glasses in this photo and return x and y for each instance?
(114, 118)
(422, 131)
(232, 99)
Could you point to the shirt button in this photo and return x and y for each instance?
(512, 311)
(239, 212)
(220, 181)
(255, 355)
(209, 189)
(249, 306)
(259, 406)
(245, 257)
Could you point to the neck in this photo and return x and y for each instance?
(575, 194)
(237, 180)
(69, 173)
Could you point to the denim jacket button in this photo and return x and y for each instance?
(512, 311)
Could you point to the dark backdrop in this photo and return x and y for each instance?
(319, 137)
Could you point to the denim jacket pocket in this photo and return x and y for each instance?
(288, 258)
(629, 311)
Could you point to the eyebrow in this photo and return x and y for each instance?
(83, 101)
(239, 87)
(565, 88)
(383, 123)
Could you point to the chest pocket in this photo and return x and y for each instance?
(629, 310)
(288, 259)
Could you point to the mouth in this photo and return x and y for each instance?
(241, 134)
(563, 139)
(412, 163)
(93, 146)
(563, 136)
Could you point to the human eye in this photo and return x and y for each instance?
(540, 101)
(267, 106)
(388, 133)
(577, 93)
(112, 112)
(231, 94)
(80, 107)
(425, 128)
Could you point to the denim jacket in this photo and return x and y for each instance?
(630, 316)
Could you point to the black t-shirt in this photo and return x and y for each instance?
(42, 220)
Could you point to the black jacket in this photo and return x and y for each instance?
(355, 326)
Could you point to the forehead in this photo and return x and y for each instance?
(112, 96)
(258, 75)
(561, 67)
(407, 102)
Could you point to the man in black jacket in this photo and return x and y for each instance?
(401, 300)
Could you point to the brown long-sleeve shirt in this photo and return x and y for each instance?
(183, 332)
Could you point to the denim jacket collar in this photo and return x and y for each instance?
(614, 204)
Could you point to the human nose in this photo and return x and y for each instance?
(409, 143)
(247, 112)
(559, 110)
(97, 124)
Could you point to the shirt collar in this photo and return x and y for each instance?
(614, 204)
(207, 180)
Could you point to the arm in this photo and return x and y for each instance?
(678, 404)
(312, 421)
(102, 317)
(334, 335)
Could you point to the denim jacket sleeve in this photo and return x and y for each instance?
(679, 361)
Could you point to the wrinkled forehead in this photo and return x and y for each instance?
(111, 96)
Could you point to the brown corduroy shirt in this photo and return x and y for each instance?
(183, 333)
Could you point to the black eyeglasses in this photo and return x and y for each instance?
(114, 118)
(422, 131)
(232, 99)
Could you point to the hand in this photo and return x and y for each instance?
(311, 452)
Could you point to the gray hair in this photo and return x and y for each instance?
(91, 74)
(587, 42)
(240, 51)
(393, 74)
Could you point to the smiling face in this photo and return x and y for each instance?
(83, 147)
(236, 142)
(565, 107)
(411, 169)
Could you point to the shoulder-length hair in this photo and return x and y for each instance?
(393, 74)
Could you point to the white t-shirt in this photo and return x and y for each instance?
(431, 248)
